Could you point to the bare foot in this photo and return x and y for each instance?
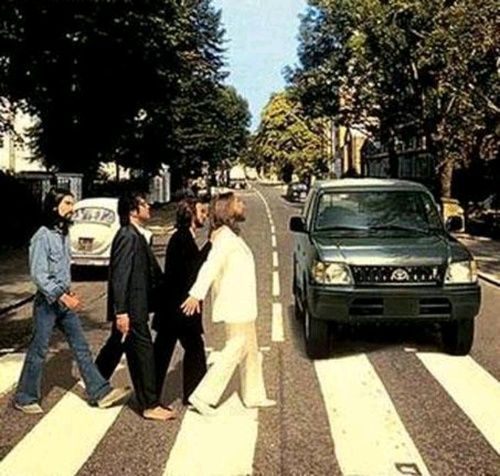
(159, 413)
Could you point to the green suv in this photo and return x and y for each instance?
(377, 250)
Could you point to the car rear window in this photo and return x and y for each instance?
(94, 215)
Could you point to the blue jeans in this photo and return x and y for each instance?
(46, 316)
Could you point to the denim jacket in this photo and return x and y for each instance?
(50, 263)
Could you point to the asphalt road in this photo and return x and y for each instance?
(386, 402)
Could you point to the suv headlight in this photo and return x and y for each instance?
(461, 272)
(331, 273)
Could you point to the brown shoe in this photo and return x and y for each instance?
(159, 413)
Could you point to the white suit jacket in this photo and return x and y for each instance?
(230, 271)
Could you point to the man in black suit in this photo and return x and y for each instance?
(183, 260)
(134, 277)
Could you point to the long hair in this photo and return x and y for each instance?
(186, 210)
(127, 203)
(50, 213)
(221, 212)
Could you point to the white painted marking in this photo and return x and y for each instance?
(472, 388)
(273, 241)
(277, 332)
(273, 229)
(369, 437)
(276, 283)
(62, 441)
(10, 370)
(275, 259)
(218, 445)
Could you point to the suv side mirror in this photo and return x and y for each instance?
(453, 223)
(297, 225)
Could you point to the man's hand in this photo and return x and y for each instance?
(71, 301)
(191, 306)
(123, 324)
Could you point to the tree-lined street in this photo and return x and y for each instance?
(387, 400)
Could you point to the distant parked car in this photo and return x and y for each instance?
(237, 177)
(95, 224)
(296, 192)
(373, 250)
(452, 208)
(483, 218)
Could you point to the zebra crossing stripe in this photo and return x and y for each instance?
(220, 445)
(277, 331)
(10, 369)
(367, 432)
(472, 388)
(62, 441)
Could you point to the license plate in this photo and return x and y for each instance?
(85, 244)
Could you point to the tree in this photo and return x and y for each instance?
(96, 76)
(418, 67)
(138, 83)
(287, 141)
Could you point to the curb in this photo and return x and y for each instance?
(489, 278)
(12, 307)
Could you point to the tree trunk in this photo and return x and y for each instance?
(446, 178)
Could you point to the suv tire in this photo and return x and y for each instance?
(316, 336)
(458, 336)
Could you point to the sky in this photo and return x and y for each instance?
(261, 40)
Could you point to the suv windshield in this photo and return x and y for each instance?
(404, 211)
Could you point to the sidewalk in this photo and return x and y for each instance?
(486, 251)
(16, 287)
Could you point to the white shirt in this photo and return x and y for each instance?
(230, 271)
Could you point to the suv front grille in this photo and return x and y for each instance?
(397, 275)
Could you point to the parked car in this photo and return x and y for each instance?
(96, 222)
(237, 177)
(296, 192)
(483, 218)
(370, 250)
(452, 208)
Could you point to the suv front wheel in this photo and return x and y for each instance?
(316, 336)
(458, 336)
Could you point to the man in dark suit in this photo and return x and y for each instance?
(183, 260)
(133, 282)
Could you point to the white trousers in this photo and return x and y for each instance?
(241, 349)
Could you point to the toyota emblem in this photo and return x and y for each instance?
(400, 275)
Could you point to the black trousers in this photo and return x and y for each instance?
(138, 348)
(194, 362)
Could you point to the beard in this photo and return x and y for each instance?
(240, 217)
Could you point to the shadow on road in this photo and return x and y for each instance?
(372, 337)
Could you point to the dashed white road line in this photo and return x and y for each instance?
(273, 241)
(277, 331)
(472, 388)
(276, 284)
(369, 437)
(273, 229)
(275, 259)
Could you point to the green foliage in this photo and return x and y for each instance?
(139, 83)
(287, 140)
(410, 67)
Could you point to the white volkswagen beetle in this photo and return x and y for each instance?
(96, 222)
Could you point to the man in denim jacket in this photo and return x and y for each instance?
(54, 305)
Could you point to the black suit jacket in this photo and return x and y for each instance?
(183, 260)
(134, 275)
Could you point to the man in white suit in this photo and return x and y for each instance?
(230, 271)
